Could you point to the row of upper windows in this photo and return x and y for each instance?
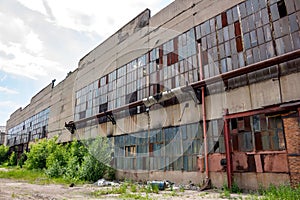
(240, 36)
(34, 123)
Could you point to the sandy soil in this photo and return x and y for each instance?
(12, 189)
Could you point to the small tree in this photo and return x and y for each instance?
(96, 163)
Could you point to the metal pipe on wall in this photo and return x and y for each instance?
(203, 113)
(225, 76)
(228, 150)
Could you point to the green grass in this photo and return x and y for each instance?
(133, 188)
(134, 196)
(114, 190)
(281, 192)
(33, 176)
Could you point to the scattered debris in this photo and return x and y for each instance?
(161, 184)
(102, 182)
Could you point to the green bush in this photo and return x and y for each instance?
(39, 152)
(3, 153)
(12, 161)
(22, 160)
(77, 152)
(56, 162)
(72, 161)
(111, 173)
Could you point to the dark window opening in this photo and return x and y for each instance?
(172, 58)
(258, 141)
(150, 149)
(233, 124)
(130, 98)
(224, 19)
(239, 44)
(282, 9)
(237, 29)
(154, 89)
(251, 163)
(103, 107)
(44, 131)
(130, 151)
(198, 93)
(102, 119)
(106, 79)
(158, 63)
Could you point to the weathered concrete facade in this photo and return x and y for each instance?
(183, 91)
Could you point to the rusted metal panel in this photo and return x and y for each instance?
(275, 163)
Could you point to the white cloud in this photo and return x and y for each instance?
(8, 91)
(43, 40)
(33, 43)
(102, 17)
(3, 78)
(9, 104)
(52, 36)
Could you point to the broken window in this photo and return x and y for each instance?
(130, 151)
(241, 134)
(282, 8)
(268, 133)
(215, 136)
(224, 19)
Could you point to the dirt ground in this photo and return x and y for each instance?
(12, 189)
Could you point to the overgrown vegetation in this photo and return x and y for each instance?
(281, 192)
(74, 162)
(3, 153)
(128, 190)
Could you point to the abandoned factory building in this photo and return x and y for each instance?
(202, 90)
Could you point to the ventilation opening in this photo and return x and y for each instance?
(282, 9)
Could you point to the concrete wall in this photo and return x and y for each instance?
(62, 108)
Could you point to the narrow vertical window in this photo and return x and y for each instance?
(224, 19)
(282, 8)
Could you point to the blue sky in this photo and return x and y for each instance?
(42, 40)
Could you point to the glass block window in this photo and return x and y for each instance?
(35, 127)
(171, 148)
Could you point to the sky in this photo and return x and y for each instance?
(42, 40)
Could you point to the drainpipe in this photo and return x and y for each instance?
(228, 150)
(203, 113)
